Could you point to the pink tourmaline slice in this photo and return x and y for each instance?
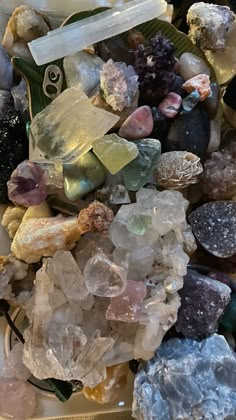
(170, 105)
(138, 125)
(127, 306)
(17, 400)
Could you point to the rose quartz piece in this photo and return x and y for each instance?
(170, 105)
(201, 82)
(127, 306)
(138, 125)
(17, 400)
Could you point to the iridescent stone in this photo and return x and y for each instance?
(104, 278)
(209, 24)
(115, 152)
(190, 101)
(203, 302)
(138, 172)
(191, 65)
(138, 125)
(27, 185)
(109, 389)
(201, 83)
(170, 105)
(57, 133)
(83, 176)
(127, 306)
(17, 399)
(214, 227)
(119, 84)
(82, 70)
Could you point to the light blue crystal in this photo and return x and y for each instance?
(190, 101)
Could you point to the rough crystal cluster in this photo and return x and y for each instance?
(119, 84)
(209, 24)
(24, 25)
(219, 177)
(176, 170)
(203, 302)
(187, 380)
(15, 280)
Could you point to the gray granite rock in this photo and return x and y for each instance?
(187, 380)
(203, 301)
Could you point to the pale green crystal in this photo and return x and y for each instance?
(138, 223)
(83, 176)
(115, 152)
(67, 128)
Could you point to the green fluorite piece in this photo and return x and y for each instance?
(228, 321)
(138, 223)
(83, 176)
(138, 172)
(115, 152)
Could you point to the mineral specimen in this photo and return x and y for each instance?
(119, 84)
(190, 101)
(57, 132)
(138, 172)
(95, 218)
(170, 105)
(83, 176)
(175, 385)
(82, 70)
(13, 148)
(201, 83)
(115, 152)
(17, 399)
(12, 219)
(189, 131)
(108, 390)
(135, 38)
(14, 362)
(176, 170)
(190, 65)
(138, 125)
(127, 306)
(209, 24)
(161, 125)
(104, 278)
(64, 41)
(21, 102)
(11, 272)
(203, 302)
(6, 71)
(24, 25)
(6, 101)
(154, 63)
(218, 180)
(27, 185)
(228, 320)
(211, 103)
(42, 237)
(90, 244)
(213, 225)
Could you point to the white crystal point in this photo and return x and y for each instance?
(77, 36)
(104, 278)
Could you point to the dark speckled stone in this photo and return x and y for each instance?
(214, 226)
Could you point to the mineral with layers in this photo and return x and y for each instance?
(187, 380)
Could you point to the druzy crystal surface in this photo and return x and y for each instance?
(187, 380)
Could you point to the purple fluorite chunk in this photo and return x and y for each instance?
(27, 185)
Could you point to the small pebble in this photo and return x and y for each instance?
(190, 65)
(201, 82)
(138, 125)
(170, 105)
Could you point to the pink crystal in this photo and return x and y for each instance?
(170, 105)
(17, 400)
(138, 125)
(127, 306)
(201, 82)
(27, 185)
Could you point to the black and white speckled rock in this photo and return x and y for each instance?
(203, 301)
(188, 380)
(214, 227)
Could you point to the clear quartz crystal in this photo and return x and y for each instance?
(66, 129)
(77, 36)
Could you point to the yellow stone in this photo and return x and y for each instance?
(108, 390)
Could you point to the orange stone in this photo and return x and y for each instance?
(108, 390)
(201, 83)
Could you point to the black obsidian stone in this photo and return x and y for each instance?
(189, 131)
(13, 148)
